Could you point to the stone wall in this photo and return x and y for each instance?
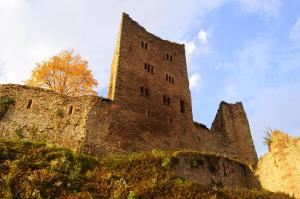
(42, 115)
(279, 169)
(210, 169)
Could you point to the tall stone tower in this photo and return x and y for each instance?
(149, 76)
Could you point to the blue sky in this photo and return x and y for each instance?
(237, 50)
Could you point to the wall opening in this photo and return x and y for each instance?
(146, 46)
(70, 111)
(148, 112)
(171, 120)
(182, 108)
(142, 90)
(29, 103)
(170, 58)
(167, 56)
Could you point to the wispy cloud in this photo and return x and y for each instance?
(203, 37)
(190, 47)
(266, 7)
(295, 32)
(195, 81)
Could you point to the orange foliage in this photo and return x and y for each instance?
(64, 73)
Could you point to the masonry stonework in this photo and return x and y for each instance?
(279, 169)
(149, 106)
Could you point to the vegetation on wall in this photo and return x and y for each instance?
(40, 170)
(268, 138)
(4, 105)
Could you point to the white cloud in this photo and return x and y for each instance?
(295, 32)
(190, 47)
(203, 37)
(266, 7)
(195, 81)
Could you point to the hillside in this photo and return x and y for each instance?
(38, 170)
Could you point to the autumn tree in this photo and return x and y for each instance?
(64, 73)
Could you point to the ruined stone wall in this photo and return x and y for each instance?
(42, 115)
(232, 123)
(210, 169)
(279, 169)
(146, 68)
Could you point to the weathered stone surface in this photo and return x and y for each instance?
(279, 169)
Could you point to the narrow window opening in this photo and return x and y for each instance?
(145, 66)
(170, 78)
(167, 77)
(171, 120)
(70, 111)
(148, 112)
(164, 99)
(142, 90)
(142, 44)
(171, 58)
(148, 68)
(29, 104)
(167, 56)
(146, 46)
(182, 108)
(146, 92)
(169, 101)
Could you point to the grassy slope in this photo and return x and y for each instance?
(34, 170)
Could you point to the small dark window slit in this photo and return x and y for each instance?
(29, 104)
(70, 111)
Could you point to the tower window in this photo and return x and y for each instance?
(171, 120)
(144, 45)
(170, 78)
(182, 108)
(144, 91)
(168, 101)
(167, 56)
(149, 68)
(167, 77)
(170, 58)
(148, 112)
(145, 66)
(29, 104)
(70, 111)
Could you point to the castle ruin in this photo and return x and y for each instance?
(148, 106)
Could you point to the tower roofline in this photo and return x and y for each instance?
(127, 16)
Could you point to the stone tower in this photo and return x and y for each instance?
(149, 76)
(232, 123)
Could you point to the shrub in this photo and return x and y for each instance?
(268, 139)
